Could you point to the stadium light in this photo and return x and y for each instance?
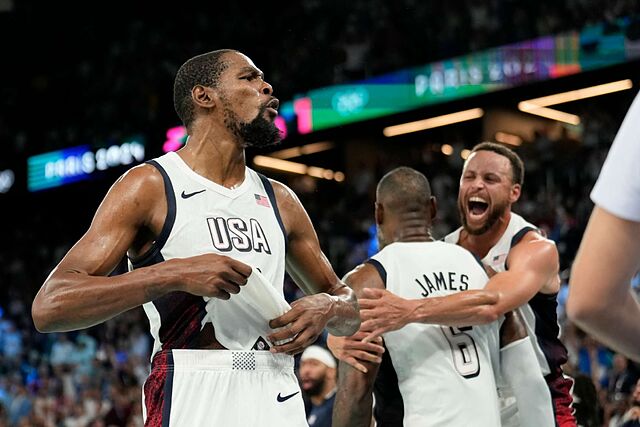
(508, 138)
(538, 106)
(549, 113)
(575, 95)
(288, 153)
(298, 168)
(433, 122)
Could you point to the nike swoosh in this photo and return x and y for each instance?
(187, 195)
(287, 397)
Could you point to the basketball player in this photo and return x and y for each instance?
(600, 298)
(208, 240)
(527, 279)
(430, 375)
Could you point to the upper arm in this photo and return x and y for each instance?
(363, 276)
(533, 267)
(305, 261)
(128, 207)
(608, 257)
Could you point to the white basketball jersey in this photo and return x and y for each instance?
(496, 258)
(539, 316)
(204, 217)
(445, 375)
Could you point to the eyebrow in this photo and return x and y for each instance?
(251, 70)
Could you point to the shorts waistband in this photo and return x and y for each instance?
(226, 360)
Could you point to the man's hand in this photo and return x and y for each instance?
(302, 324)
(352, 350)
(383, 311)
(209, 275)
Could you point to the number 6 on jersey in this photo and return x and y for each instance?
(463, 350)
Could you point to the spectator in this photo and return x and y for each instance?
(318, 378)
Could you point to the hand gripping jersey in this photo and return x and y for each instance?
(444, 376)
(541, 321)
(204, 217)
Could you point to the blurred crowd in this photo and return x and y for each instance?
(94, 377)
(114, 69)
(117, 80)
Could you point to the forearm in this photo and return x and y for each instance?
(71, 300)
(614, 322)
(520, 369)
(354, 400)
(345, 319)
(462, 309)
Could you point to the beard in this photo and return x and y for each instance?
(316, 387)
(259, 132)
(495, 213)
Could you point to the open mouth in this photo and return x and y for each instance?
(477, 206)
(274, 104)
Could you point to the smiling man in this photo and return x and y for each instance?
(527, 264)
(206, 238)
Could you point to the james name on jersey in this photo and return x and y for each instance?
(442, 281)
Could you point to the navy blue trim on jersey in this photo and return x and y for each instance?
(272, 197)
(516, 239)
(389, 408)
(381, 271)
(547, 330)
(520, 234)
(479, 260)
(151, 255)
(168, 390)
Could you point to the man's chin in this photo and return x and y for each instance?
(473, 227)
(475, 230)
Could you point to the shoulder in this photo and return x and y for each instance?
(141, 182)
(365, 275)
(534, 247)
(137, 192)
(285, 196)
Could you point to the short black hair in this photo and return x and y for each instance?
(404, 187)
(517, 166)
(202, 70)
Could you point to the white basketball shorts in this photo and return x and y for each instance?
(198, 388)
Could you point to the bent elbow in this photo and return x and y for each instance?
(42, 313)
(40, 318)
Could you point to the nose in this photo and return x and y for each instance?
(477, 183)
(267, 89)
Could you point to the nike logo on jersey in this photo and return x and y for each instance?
(287, 397)
(187, 195)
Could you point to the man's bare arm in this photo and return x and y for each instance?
(354, 398)
(329, 302)
(356, 376)
(600, 297)
(77, 295)
(533, 266)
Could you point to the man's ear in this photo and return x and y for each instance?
(204, 96)
(433, 208)
(379, 213)
(514, 194)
